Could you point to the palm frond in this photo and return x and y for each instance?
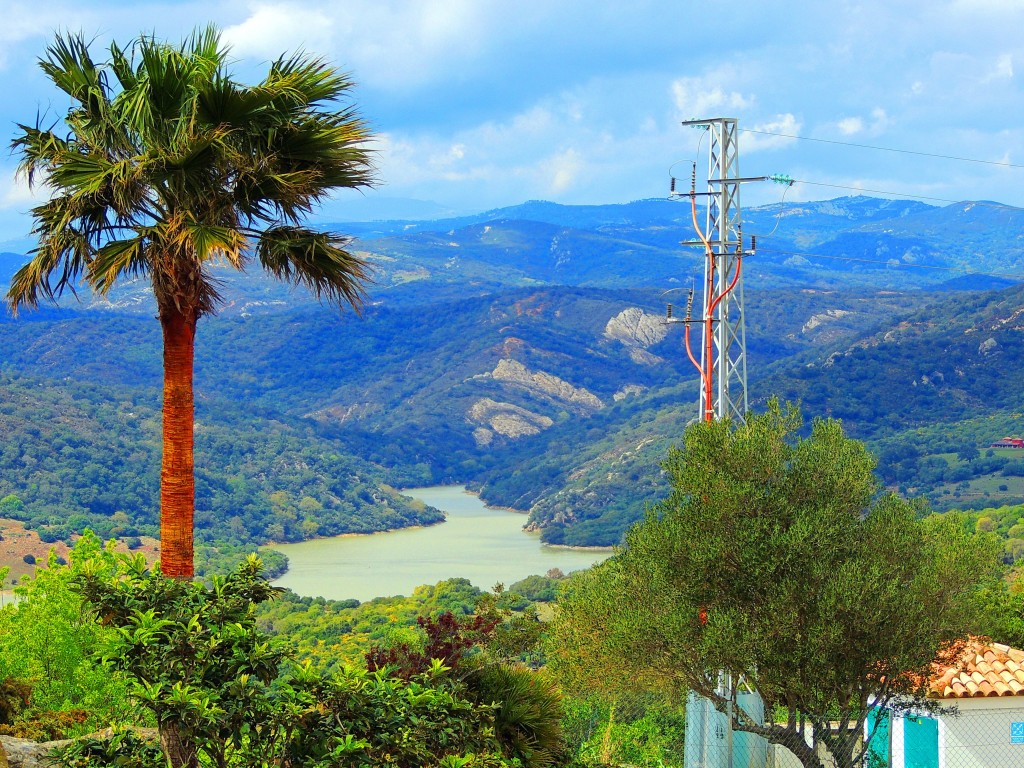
(122, 67)
(209, 242)
(167, 163)
(71, 68)
(309, 81)
(316, 260)
(117, 258)
(39, 148)
(55, 266)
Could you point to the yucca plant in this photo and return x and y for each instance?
(164, 166)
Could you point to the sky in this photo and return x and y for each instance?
(478, 104)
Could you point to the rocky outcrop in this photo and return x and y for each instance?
(636, 329)
(643, 357)
(630, 390)
(514, 372)
(25, 753)
(824, 317)
(341, 413)
(505, 419)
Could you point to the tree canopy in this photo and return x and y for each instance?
(776, 560)
(166, 167)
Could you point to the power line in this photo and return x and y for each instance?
(905, 194)
(885, 149)
(960, 270)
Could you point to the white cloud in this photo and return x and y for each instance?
(699, 97)
(563, 170)
(23, 21)
(572, 147)
(386, 43)
(850, 126)
(273, 29)
(1003, 69)
(15, 193)
(772, 134)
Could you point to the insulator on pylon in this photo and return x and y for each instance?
(672, 188)
(693, 179)
(753, 243)
(689, 304)
(668, 312)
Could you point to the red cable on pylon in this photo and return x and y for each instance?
(712, 303)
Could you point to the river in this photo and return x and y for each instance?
(475, 542)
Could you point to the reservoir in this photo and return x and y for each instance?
(476, 542)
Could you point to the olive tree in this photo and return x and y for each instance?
(776, 560)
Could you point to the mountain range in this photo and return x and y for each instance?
(525, 352)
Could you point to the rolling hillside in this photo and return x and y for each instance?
(524, 352)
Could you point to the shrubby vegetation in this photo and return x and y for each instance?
(143, 649)
(47, 653)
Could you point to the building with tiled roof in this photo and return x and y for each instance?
(980, 669)
(980, 687)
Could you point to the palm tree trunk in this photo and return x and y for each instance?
(177, 474)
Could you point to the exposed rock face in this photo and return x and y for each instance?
(988, 346)
(25, 753)
(643, 357)
(506, 419)
(635, 328)
(483, 438)
(630, 390)
(514, 372)
(341, 413)
(824, 317)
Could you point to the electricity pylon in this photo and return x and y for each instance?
(722, 362)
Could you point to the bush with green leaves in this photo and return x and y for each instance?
(48, 646)
(483, 657)
(638, 730)
(222, 692)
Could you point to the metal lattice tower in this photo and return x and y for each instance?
(722, 361)
(723, 352)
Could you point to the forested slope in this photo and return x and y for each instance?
(524, 352)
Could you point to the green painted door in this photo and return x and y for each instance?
(878, 723)
(920, 742)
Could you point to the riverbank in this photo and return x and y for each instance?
(480, 543)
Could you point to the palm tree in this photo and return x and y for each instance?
(167, 166)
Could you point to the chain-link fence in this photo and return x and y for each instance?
(649, 732)
(977, 734)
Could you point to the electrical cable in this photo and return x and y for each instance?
(778, 217)
(885, 149)
(706, 353)
(904, 194)
(696, 157)
(960, 270)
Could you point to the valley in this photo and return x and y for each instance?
(524, 353)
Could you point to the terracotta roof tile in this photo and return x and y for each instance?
(978, 667)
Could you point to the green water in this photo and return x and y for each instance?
(483, 545)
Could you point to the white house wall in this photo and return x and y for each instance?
(978, 735)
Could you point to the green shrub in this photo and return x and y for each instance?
(222, 692)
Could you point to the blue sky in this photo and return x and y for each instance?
(480, 103)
